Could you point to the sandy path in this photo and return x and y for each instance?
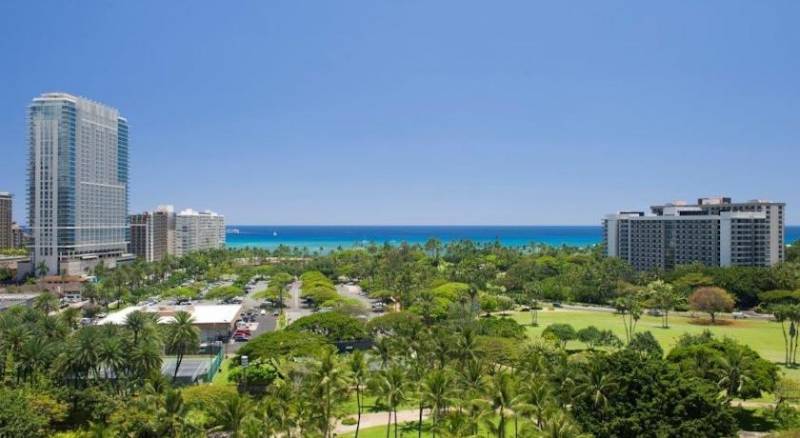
(373, 419)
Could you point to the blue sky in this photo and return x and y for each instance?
(422, 112)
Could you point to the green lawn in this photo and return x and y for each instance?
(409, 430)
(221, 378)
(763, 336)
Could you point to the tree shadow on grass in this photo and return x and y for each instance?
(753, 420)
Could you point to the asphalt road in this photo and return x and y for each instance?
(354, 291)
(266, 323)
(295, 308)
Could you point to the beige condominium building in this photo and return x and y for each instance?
(714, 232)
(198, 230)
(152, 234)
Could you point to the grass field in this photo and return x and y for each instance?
(765, 337)
(221, 378)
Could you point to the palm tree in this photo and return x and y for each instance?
(71, 316)
(42, 269)
(330, 385)
(382, 350)
(536, 393)
(595, 384)
(34, 356)
(501, 391)
(182, 337)
(137, 322)
(734, 371)
(145, 359)
(558, 425)
(172, 416)
(279, 407)
(46, 303)
(391, 386)
(231, 412)
(112, 355)
(358, 370)
(82, 358)
(437, 390)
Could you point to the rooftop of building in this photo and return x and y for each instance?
(201, 313)
(190, 212)
(60, 95)
(716, 201)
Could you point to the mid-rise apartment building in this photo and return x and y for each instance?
(196, 231)
(6, 236)
(715, 232)
(150, 234)
(77, 183)
(18, 237)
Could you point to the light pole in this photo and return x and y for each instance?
(245, 362)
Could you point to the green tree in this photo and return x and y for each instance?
(629, 306)
(330, 387)
(231, 413)
(391, 386)
(437, 391)
(359, 372)
(182, 338)
(562, 333)
(711, 300)
(46, 302)
(664, 297)
(501, 391)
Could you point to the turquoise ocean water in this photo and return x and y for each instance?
(330, 237)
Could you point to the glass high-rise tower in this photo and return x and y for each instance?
(77, 182)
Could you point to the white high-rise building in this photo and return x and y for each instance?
(195, 231)
(77, 182)
(714, 232)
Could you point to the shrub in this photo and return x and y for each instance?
(561, 333)
(283, 343)
(501, 327)
(334, 326)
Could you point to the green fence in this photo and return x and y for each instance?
(213, 368)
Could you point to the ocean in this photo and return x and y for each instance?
(330, 237)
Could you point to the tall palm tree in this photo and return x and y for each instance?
(501, 391)
(358, 370)
(279, 407)
(437, 391)
(182, 337)
(558, 425)
(112, 355)
(34, 356)
(82, 358)
(137, 322)
(391, 386)
(231, 412)
(595, 384)
(145, 359)
(382, 351)
(536, 393)
(330, 384)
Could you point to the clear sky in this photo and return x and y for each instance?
(422, 112)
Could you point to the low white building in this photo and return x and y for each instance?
(215, 321)
(198, 230)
